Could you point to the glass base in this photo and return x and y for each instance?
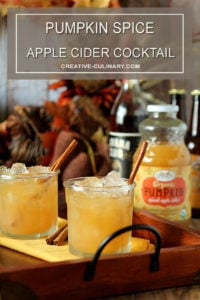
(30, 236)
(85, 254)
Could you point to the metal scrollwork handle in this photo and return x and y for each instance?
(154, 263)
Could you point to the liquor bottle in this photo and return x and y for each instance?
(178, 97)
(128, 110)
(163, 180)
(193, 144)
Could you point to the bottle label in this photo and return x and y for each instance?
(122, 146)
(195, 181)
(165, 192)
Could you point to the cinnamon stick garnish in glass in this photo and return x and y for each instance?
(60, 236)
(59, 161)
(138, 161)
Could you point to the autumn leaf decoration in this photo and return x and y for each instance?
(84, 107)
(29, 133)
(31, 139)
(5, 4)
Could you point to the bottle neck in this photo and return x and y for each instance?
(129, 108)
(125, 85)
(194, 128)
(179, 99)
(162, 115)
(132, 85)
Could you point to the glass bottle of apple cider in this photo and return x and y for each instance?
(163, 179)
(193, 144)
(128, 110)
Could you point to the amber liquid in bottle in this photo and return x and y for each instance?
(128, 111)
(193, 144)
(163, 179)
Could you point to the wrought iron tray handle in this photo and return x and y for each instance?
(154, 262)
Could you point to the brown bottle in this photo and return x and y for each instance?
(128, 111)
(193, 144)
(178, 97)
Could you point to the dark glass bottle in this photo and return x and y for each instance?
(178, 97)
(193, 144)
(128, 111)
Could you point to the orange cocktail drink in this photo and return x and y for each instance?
(94, 211)
(28, 202)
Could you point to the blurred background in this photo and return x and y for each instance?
(33, 113)
(21, 92)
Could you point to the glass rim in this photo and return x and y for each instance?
(29, 175)
(70, 183)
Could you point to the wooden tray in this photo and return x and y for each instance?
(179, 264)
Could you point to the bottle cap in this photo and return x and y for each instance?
(177, 91)
(162, 108)
(195, 92)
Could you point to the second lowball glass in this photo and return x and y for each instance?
(94, 212)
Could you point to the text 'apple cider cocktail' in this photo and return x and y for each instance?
(28, 201)
(96, 207)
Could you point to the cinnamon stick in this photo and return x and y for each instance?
(138, 161)
(61, 238)
(59, 161)
(57, 236)
(61, 234)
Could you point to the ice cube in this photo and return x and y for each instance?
(91, 182)
(3, 169)
(113, 179)
(18, 168)
(39, 170)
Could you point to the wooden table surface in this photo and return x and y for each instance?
(181, 293)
